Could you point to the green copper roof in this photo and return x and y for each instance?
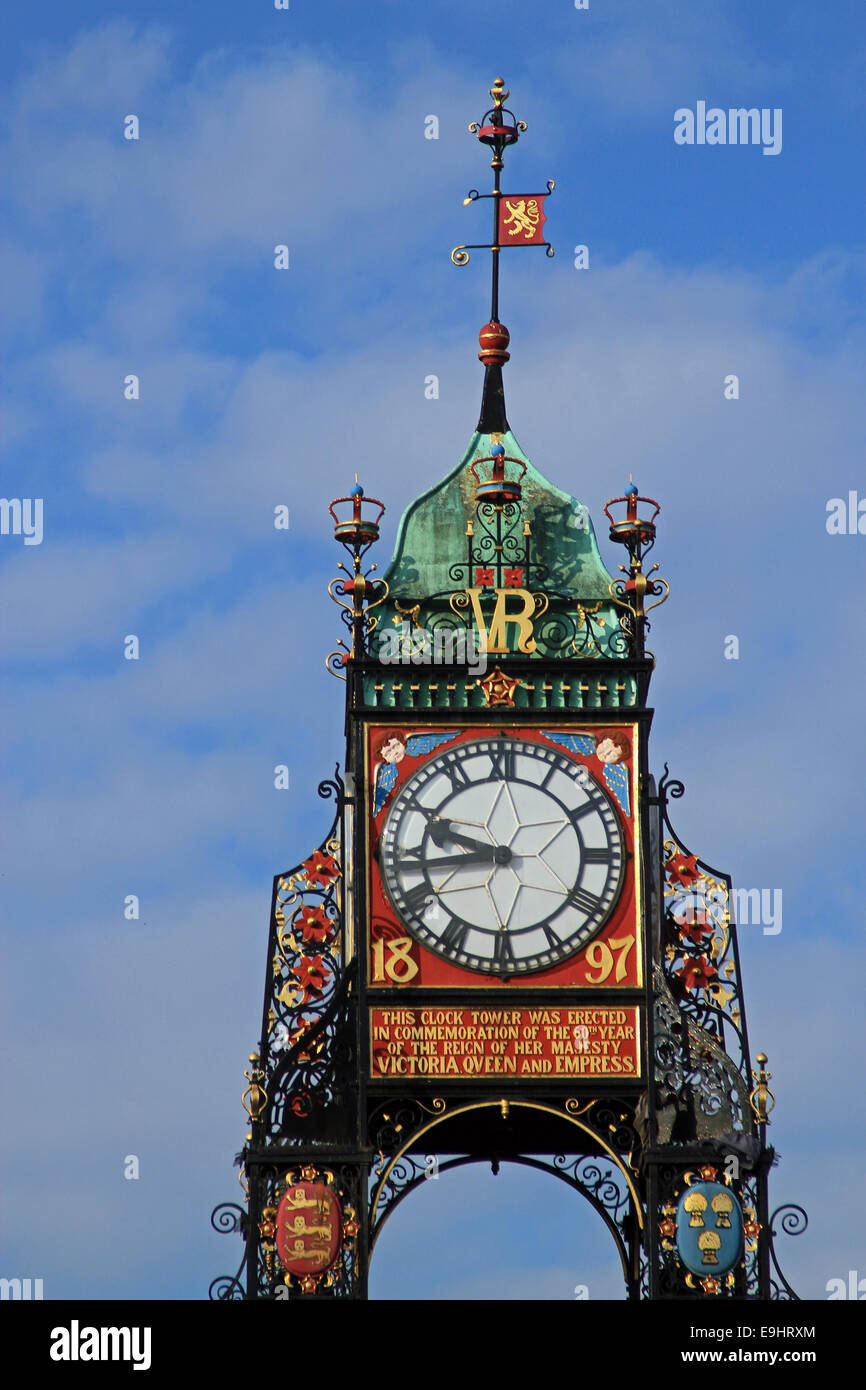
(431, 535)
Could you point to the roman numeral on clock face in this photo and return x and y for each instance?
(417, 897)
(454, 935)
(411, 803)
(584, 900)
(503, 763)
(503, 955)
(454, 772)
(603, 855)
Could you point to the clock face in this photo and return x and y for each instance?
(502, 856)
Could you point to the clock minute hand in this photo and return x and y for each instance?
(484, 855)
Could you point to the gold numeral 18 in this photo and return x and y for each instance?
(398, 965)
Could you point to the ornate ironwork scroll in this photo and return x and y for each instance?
(700, 955)
(298, 1087)
(229, 1219)
(791, 1220)
(602, 1173)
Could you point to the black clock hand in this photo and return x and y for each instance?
(441, 831)
(485, 854)
(497, 854)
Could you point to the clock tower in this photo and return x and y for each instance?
(501, 951)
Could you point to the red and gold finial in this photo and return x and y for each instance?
(499, 488)
(356, 526)
(360, 528)
(498, 127)
(634, 532)
(637, 533)
(493, 341)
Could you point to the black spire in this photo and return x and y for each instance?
(493, 419)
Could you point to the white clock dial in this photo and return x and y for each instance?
(502, 855)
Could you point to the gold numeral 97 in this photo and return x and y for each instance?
(600, 958)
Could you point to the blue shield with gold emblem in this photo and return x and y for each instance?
(709, 1229)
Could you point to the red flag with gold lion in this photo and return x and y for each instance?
(521, 220)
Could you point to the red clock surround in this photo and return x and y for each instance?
(611, 960)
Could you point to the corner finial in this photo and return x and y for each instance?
(761, 1097)
(637, 533)
(356, 526)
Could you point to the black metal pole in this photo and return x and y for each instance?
(494, 250)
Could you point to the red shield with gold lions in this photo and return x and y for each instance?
(309, 1226)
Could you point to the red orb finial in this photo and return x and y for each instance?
(493, 340)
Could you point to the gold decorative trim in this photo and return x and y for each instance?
(499, 1105)
(761, 1098)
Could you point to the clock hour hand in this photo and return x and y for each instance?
(441, 831)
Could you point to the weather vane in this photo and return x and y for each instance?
(518, 219)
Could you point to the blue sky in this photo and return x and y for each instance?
(261, 387)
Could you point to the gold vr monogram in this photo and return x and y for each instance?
(495, 638)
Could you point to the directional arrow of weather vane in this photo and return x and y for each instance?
(518, 218)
